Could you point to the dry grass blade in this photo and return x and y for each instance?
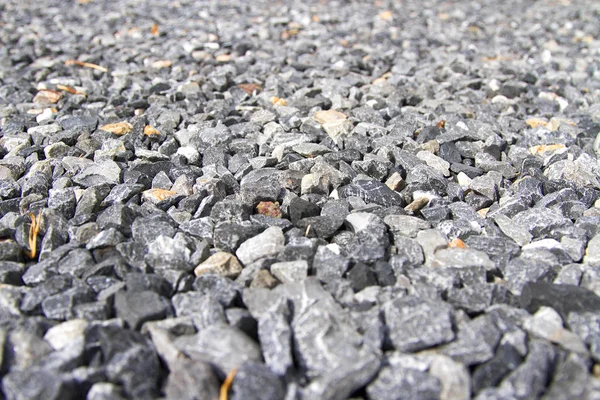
(86, 64)
(69, 89)
(34, 230)
(227, 384)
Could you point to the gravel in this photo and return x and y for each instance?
(329, 200)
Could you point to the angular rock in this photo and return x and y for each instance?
(414, 324)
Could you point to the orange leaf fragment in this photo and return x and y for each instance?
(150, 131)
(535, 122)
(278, 101)
(47, 96)
(86, 64)
(227, 384)
(441, 124)
(386, 15)
(154, 29)
(34, 229)
(542, 148)
(457, 243)
(118, 128)
(223, 57)
(159, 194)
(250, 87)
(162, 64)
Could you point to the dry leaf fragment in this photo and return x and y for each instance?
(250, 87)
(269, 208)
(38, 111)
(47, 96)
(278, 101)
(315, 18)
(386, 15)
(542, 148)
(34, 229)
(154, 29)
(441, 124)
(457, 243)
(150, 131)
(119, 128)
(162, 64)
(535, 122)
(223, 57)
(227, 384)
(86, 64)
(158, 195)
(483, 212)
(324, 117)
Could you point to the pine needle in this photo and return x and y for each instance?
(34, 229)
(227, 384)
(86, 64)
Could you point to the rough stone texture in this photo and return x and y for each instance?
(340, 199)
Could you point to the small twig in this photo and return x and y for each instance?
(227, 384)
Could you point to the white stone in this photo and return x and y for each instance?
(63, 334)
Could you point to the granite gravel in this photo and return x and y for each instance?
(325, 200)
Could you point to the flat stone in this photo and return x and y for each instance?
(406, 225)
(562, 298)
(414, 324)
(254, 381)
(138, 307)
(372, 192)
(547, 324)
(403, 383)
(64, 334)
(265, 245)
(435, 162)
(169, 253)
(461, 258)
(592, 252)
(290, 271)
(220, 263)
(98, 174)
(224, 347)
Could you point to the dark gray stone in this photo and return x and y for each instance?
(190, 380)
(564, 299)
(403, 383)
(32, 300)
(221, 345)
(275, 337)
(137, 307)
(254, 381)
(37, 383)
(60, 306)
(415, 324)
(530, 378)
(372, 192)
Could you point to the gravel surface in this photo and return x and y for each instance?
(330, 200)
